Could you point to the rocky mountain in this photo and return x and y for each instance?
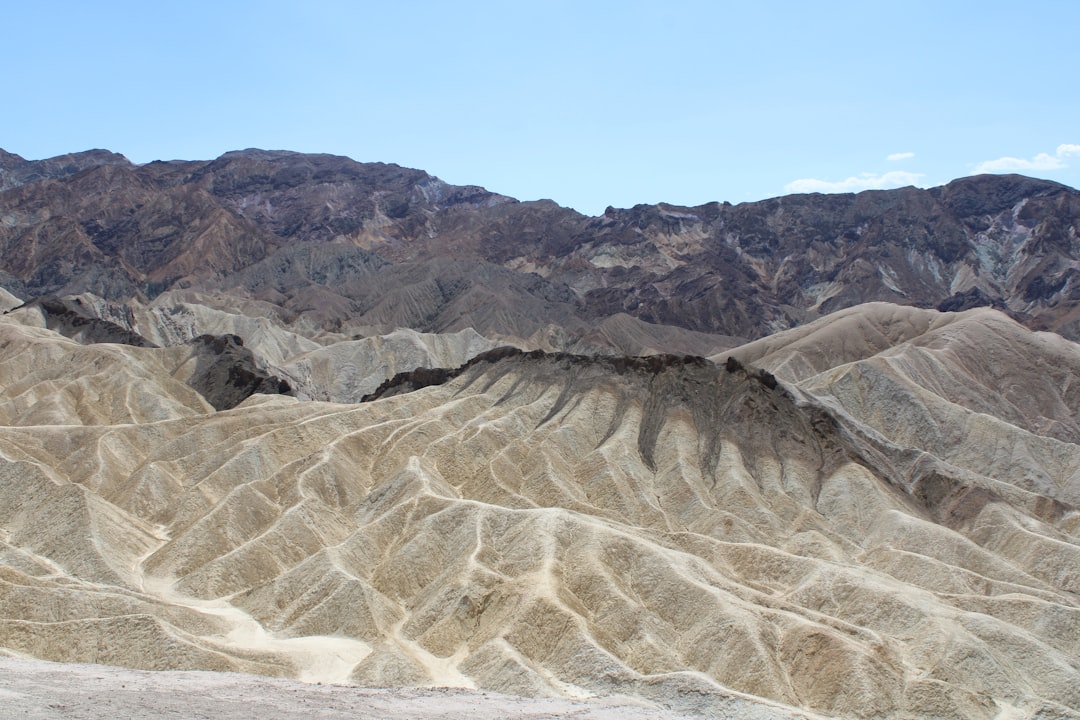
(358, 245)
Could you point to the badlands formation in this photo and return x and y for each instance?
(873, 515)
(343, 423)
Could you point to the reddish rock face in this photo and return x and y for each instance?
(404, 248)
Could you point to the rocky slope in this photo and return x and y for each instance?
(347, 244)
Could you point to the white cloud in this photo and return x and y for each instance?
(1042, 161)
(866, 181)
(900, 156)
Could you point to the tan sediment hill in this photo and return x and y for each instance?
(845, 336)
(50, 380)
(316, 364)
(667, 528)
(346, 365)
(974, 388)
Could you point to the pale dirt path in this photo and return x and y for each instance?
(36, 689)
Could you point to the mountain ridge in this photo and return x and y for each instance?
(747, 270)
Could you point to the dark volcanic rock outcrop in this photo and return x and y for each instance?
(226, 372)
(68, 317)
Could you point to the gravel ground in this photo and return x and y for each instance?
(38, 689)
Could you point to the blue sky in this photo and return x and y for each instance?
(587, 103)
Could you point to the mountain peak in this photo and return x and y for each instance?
(983, 194)
(16, 170)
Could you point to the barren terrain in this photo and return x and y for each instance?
(859, 534)
(49, 691)
(317, 421)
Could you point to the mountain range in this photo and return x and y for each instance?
(293, 415)
(343, 244)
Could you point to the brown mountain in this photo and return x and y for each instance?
(343, 243)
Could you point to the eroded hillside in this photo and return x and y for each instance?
(850, 530)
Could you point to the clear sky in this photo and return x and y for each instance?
(587, 103)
